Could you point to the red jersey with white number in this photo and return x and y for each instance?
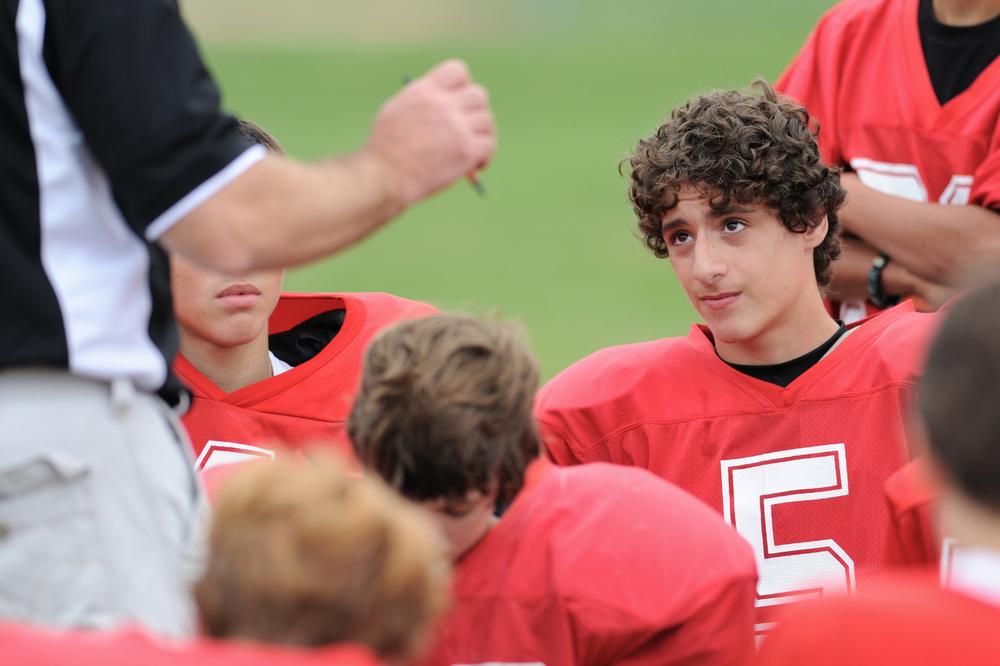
(304, 405)
(797, 470)
(598, 565)
(862, 74)
(906, 622)
(39, 647)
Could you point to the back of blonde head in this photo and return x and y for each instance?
(304, 554)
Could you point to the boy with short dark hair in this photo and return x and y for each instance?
(591, 565)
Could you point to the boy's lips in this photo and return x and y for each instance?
(239, 295)
(719, 301)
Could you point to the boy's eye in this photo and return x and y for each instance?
(680, 238)
(734, 225)
(455, 511)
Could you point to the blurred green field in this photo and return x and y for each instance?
(574, 85)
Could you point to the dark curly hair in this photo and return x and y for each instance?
(739, 148)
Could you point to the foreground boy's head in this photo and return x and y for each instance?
(958, 404)
(444, 414)
(732, 189)
(303, 554)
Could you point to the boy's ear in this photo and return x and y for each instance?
(814, 236)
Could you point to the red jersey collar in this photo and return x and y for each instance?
(310, 304)
(700, 339)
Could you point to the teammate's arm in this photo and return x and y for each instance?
(280, 213)
(850, 278)
(935, 242)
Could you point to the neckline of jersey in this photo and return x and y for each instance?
(354, 318)
(777, 396)
(920, 78)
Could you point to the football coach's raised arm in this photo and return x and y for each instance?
(434, 131)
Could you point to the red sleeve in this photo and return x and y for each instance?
(721, 632)
(814, 78)
(912, 539)
(557, 445)
(986, 179)
(807, 636)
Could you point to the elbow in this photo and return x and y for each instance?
(952, 263)
(215, 242)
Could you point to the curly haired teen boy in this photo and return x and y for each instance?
(783, 419)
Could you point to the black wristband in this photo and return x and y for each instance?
(876, 291)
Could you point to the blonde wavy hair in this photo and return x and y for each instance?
(308, 554)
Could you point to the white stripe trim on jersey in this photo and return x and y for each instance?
(976, 572)
(277, 365)
(203, 192)
(98, 268)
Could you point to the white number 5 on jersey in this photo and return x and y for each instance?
(752, 487)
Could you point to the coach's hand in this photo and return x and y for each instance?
(434, 131)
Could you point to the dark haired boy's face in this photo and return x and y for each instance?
(463, 522)
(746, 274)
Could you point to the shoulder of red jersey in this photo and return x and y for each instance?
(44, 647)
(843, 15)
(841, 23)
(623, 538)
(899, 339)
(613, 369)
(612, 376)
(627, 559)
(909, 621)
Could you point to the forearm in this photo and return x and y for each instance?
(282, 213)
(935, 242)
(850, 279)
(850, 274)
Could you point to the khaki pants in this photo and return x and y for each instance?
(100, 509)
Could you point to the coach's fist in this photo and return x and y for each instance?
(434, 131)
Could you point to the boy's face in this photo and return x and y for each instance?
(745, 273)
(464, 522)
(226, 311)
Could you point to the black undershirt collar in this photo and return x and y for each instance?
(787, 372)
(955, 55)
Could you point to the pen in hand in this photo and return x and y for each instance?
(472, 176)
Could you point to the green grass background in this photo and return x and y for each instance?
(573, 85)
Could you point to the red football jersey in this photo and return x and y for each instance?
(895, 622)
(598, 565)
(25, 645)
(307, 404)
(913, 539)
(797, 470)
(862, 74)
